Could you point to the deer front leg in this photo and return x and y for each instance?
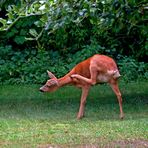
(84, 95)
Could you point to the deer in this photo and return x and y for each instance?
(94, 70)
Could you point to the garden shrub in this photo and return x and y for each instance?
(56, 35)
(30, 66)
(131, 70)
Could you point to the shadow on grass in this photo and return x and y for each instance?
(67, 109)
(27, 102)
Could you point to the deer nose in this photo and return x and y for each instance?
(41, 90)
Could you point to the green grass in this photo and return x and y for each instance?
(29, 118)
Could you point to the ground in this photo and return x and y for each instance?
(29, 118)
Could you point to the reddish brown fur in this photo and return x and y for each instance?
(96, 69)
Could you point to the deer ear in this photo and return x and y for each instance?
(51, 75)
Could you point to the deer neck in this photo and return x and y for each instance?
(64, 80)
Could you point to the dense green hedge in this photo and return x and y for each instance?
(56, 35)
(30, 66)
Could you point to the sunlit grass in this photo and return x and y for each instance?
(29, 118)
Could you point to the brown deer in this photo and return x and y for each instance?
(96, 69)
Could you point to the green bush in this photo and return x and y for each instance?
(30, 66)
(67, 26)
(56, 35)
(131, 70)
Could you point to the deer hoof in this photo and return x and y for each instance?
(122, 116)
(80, 117)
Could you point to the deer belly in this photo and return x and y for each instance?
(102, 78)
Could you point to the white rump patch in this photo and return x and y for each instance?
(107, 76)
(114, 73)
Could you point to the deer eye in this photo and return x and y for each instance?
(48, 86)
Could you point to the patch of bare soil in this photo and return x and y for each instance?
(136, 143)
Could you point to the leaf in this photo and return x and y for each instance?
(33, 32)
(19, 39)
(39, 23)
(9, 22)
(3, 21)
(43, 7)
(42, 1)
(30, 39)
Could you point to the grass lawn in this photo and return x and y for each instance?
(29, 118)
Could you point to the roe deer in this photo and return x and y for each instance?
(96, 69)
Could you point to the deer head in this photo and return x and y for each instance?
(51, 84)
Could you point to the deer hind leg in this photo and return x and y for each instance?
(84, 95)
(92, 80)
(115, 88)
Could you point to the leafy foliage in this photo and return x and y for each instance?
(56, 35)
(30, 66)
(132, 70)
